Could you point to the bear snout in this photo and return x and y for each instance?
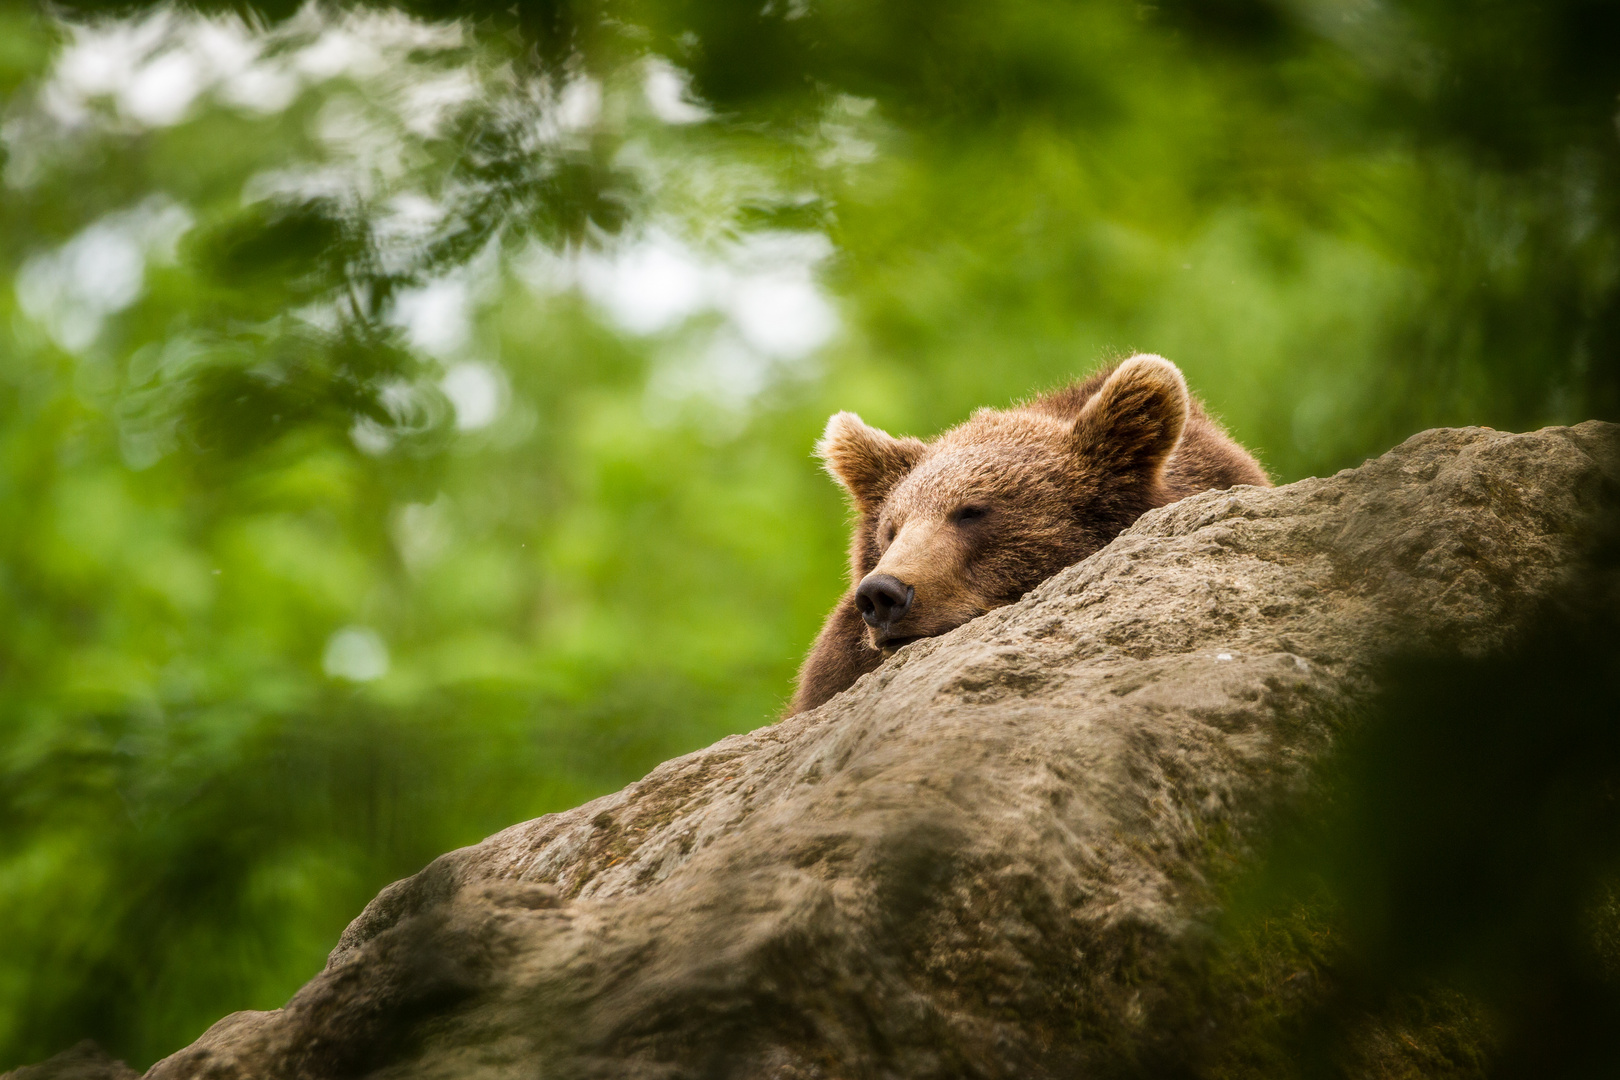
(883, 600)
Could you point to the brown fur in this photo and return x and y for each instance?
(996, 505)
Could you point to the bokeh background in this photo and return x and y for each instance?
(406, 410)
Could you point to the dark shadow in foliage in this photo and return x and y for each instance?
(1471, 847)
(1256, 27)
(273, 253)
(510, 186)
(253, 393)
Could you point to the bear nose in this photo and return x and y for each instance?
(883, 600)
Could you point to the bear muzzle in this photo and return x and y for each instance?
(883, 600)
(917, 588)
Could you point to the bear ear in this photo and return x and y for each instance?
(1133, 422)
(868, 462)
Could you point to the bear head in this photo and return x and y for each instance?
(948, 529)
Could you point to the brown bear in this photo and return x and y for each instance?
(947, 530)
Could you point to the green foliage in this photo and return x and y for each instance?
(405, 425)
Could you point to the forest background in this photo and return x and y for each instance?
(406, 411)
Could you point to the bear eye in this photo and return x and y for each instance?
(968, 513)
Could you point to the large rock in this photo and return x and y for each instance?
(994, 856)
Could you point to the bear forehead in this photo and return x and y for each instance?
(1010, 430)
(985, 457)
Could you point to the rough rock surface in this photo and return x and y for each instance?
(993, 856)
